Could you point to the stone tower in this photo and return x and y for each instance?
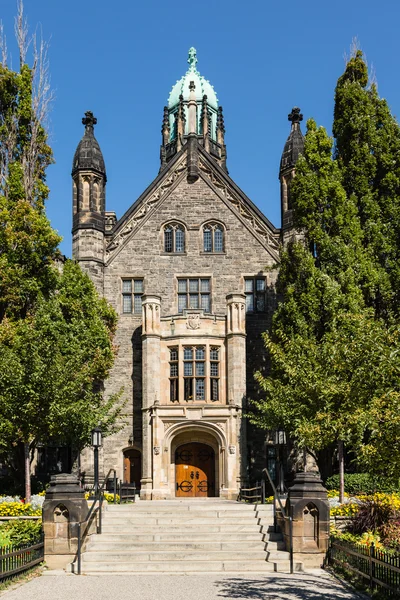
(193, 114)
(293, 148)
(89, 191)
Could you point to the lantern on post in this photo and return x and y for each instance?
(280, 441)
(97, 440)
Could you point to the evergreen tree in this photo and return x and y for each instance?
(367, 151)
(332, 346)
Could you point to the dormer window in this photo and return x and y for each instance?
(174, 238)
(213, 238)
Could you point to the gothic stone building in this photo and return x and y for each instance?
(187, 268)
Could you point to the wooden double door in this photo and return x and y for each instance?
(195, 471)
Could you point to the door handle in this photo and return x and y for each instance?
(197, 474)
(191, 474)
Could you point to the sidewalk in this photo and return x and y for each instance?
(301, 586)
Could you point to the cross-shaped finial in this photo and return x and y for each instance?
(295, 116)
(89, 120)
(192, 59)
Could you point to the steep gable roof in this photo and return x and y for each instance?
(219, 181)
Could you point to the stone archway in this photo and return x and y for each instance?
(213, 440)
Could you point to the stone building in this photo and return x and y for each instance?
(187, 268)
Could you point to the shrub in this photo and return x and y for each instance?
(371, 515)
(21, 532)
(361, 483)
(390, 533)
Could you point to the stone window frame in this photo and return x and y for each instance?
(132, 292)
(258, 297)
(200, 292)
(175, 225)
(178, 395)
(213, 225)
(174, 373)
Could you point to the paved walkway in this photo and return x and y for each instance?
(302, 586)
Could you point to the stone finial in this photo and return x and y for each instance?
(192, 59)
(295, 116)
(165, 129)
(165, 123)
(220, 120)
(89, 120)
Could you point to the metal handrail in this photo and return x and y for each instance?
(286, 517)
(98, 498)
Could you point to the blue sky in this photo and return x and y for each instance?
(120, 60)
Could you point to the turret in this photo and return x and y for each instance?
(208, 127)
(89, 183)
(293, 148)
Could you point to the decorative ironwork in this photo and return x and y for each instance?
(15, 559)
(379, 570)
(205, 486)
(185, 486)
(184, 455)
(204, 454)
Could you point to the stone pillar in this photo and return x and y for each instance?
(64, 507)
(308, 503)
(151, 348)
(236, 384)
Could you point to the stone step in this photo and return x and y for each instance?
(98, 545)
(186, 506)
(161, 521)
(205, 514)
(134, 556)
(167, 521)
(272, 537)
(185, 529)
(187, 566)
(274, 546)
(162, 537)
(273, 555)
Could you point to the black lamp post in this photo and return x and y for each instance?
(280, 441)
(96, 443)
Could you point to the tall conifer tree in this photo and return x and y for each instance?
(331, 352)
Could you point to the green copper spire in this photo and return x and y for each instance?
(192, 59)
(203, 87)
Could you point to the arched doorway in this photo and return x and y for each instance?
(132, 467)
(195, 470)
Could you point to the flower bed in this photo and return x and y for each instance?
(13, 506)
(367, 520)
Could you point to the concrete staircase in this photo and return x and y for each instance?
(186, 536)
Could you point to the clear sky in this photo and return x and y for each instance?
(120, 59)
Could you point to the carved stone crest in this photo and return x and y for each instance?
(232, 449)
(193, 321)
(156, 449)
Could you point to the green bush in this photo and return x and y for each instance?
(20, 532)
(361, 483)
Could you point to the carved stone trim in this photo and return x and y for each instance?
(193, 321)
(256, 224)
(147, 206)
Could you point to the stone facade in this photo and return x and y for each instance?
(192, 190)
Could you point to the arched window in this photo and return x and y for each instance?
(174, 238)
(213, 238)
